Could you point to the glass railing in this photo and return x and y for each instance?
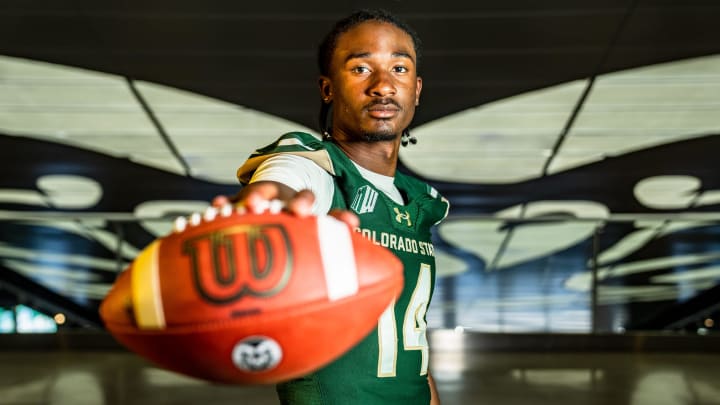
(579, 276)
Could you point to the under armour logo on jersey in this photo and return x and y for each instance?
(402, 216)
(364, 200)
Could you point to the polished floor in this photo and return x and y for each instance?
(463, 377)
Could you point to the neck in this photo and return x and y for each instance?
(379, 157)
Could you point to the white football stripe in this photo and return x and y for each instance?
(338, 258)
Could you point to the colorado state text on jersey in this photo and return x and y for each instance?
(401, 243)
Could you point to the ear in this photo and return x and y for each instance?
(325, 89)
(418, 89)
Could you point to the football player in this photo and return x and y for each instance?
(369, 88)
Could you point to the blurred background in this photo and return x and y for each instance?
(578, 143)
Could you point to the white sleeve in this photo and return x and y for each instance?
(298, 173)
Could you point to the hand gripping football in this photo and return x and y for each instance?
(245, 298)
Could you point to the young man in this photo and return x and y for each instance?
(369, 89)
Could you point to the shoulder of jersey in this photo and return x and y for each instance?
(295, 143)
(292, 142)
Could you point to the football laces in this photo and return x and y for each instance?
(211, 213)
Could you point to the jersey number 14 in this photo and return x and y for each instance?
(414, 328)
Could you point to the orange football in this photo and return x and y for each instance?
(241, 298)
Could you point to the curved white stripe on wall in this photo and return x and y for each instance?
(97, 111)
(510, 140)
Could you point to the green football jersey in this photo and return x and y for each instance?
(390, 365)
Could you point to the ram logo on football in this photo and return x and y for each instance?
(251, 298)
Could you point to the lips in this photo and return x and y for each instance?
(383, 110)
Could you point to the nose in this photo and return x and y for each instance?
(382, 85)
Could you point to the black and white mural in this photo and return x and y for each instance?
(577, 144)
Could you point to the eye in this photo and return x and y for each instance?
(360, 69)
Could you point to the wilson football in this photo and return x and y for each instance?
(251, 298)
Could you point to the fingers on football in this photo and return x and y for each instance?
(220, 201)
(301, 204)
